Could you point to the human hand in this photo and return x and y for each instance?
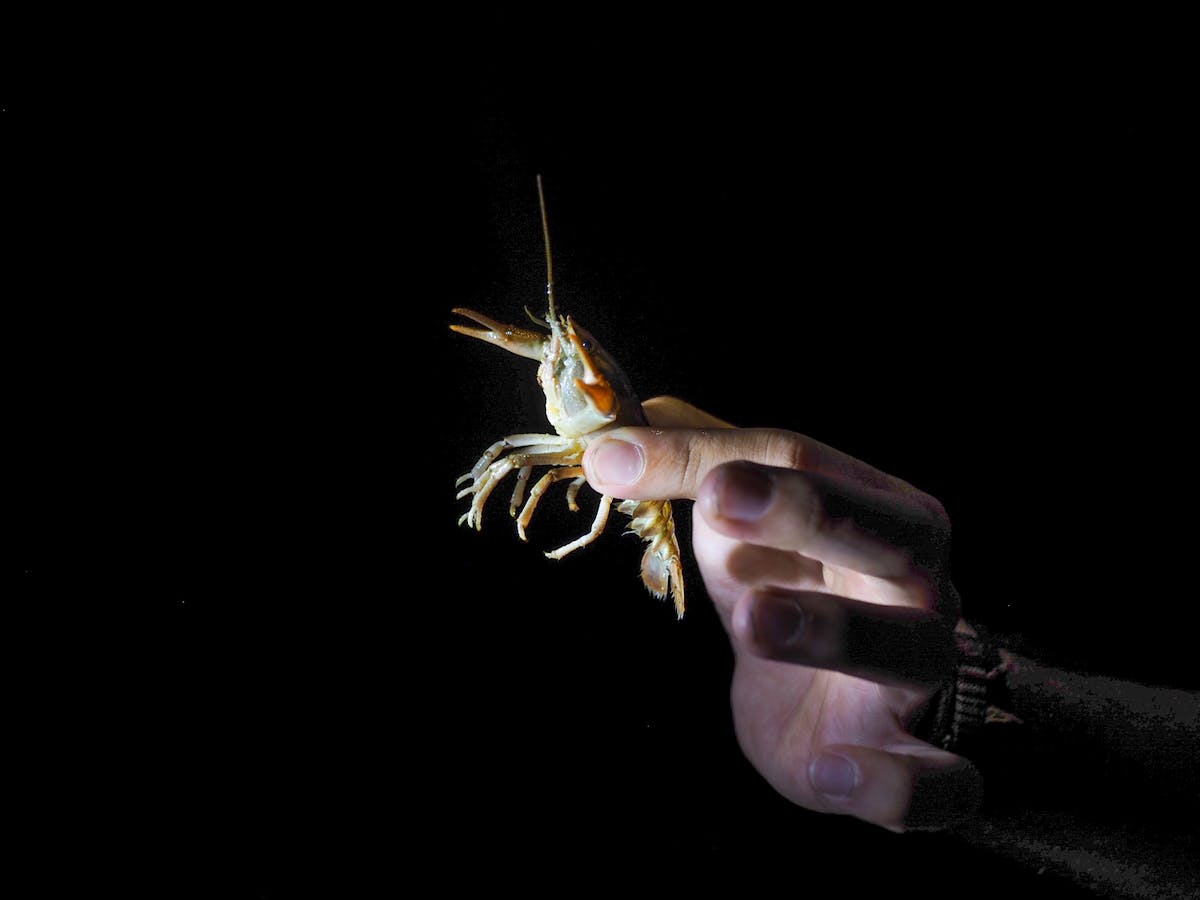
(831, 578)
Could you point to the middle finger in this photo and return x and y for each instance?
(836, 522)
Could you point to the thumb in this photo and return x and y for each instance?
(639, 463)
(918, 788)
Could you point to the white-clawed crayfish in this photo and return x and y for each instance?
(586, 395)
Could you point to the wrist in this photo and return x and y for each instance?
(974, 703)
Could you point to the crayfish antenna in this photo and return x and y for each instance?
(553, 314)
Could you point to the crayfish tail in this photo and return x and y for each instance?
(677, 586)
(663, 575)
(662, 571)
(656, 574)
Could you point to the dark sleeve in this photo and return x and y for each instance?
(1097, 782)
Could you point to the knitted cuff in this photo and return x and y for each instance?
(977, 696)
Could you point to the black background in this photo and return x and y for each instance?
(262, 656)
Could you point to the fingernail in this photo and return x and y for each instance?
(778, 624)
(618, 462)
(833, 775)
(742, 492)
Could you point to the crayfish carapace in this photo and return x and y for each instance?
(586, 394)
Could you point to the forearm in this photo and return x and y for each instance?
(1123, 861)
(1151, 734)
(1098, 783)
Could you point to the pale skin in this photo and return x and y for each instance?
(840, 550)
(831, 578)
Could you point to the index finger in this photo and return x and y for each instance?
(644, 463)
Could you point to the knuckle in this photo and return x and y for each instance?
(930, 551)
(809, 502)
(695, 463)
(938, 509)
(788, 450)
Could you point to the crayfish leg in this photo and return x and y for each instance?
(597, 527)
(573, 492)
(546, 441)
(498, 471)
(483, 488)
(519, 489)
(540, 488)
